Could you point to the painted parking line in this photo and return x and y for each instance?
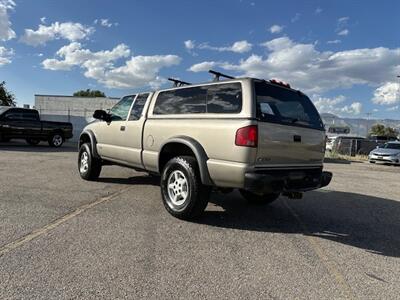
(45, 229)
(330, 266)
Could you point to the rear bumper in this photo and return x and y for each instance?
(274, 181)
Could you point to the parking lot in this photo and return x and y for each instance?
(62, 237)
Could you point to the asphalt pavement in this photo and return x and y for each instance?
(65, 238)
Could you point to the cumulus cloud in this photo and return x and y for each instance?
(137, 71)
(237, 47)
(6, 33)
(318, 10)
(5, 55)
(275, 29)
(335, 105)
(68, 30)
(189, 44)
(343, 20)
(314, 71)
(387, 94)
(203, 66)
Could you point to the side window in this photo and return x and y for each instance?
(30, 116)
(120, 111)
(137, 107)
(224, 98)
(182, 101)
(13, 115)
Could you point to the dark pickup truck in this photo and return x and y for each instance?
(21, 123)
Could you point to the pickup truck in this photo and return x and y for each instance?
(258, 136)
(21, 123)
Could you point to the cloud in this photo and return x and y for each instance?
(343, 20)
(318, 10)
(203, 66)
(275, 29)
(343, 32)
(237, 47)
(43, 20)
(5, 55)
(189, 44)
(334, 42)
(331, 105)
(105, 23)
(137, 71)
(6, 33)
(69, 31)
(309, 69)
(295, 18)
(387, 94)
(353, 109)
(393, 108)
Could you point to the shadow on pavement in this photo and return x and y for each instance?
(362, 221)
(146, 179)
(21, 146)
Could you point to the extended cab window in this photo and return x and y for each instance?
(30, 115)
(137, 108)
(280, 105)
(121, 109)
(218, 98)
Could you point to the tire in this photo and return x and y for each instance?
(89, 167)
(371, 162)
(259, 199)
(33, 142)
(56, 140)
(183, 194)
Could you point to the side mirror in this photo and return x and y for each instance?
(101, 115)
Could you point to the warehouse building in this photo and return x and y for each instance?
(77, 110)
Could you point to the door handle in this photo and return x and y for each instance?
(122, 128)
(6, 126)
(297, 138)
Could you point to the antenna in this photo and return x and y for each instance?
(178, 83)
(217, 75)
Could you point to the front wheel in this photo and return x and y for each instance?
(56, 140)
(89, 167)
(183, 194)
(259, 199)
(33, 142)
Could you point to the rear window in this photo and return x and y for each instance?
(279, 105)
(220, 98)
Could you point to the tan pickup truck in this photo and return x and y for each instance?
(261, 137)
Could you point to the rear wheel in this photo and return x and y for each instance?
(33, 142)
(259, 199)
(56, 140)
(183, 194)
(89, 167)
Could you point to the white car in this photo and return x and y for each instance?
(388, 153)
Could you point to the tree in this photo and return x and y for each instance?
(377, 129)
(391, 132)
(89, 93)
(381, 130)
(6, 97)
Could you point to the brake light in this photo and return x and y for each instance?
(247, 136)
(279, 82)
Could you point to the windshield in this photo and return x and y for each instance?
(279, 105)
(392, 146)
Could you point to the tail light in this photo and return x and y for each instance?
(247, 136)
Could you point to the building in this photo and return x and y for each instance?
(77, 110)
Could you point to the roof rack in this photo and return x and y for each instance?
(178, 83)
(217, 75)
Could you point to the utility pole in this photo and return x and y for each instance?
(368, 115)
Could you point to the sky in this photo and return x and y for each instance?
(345, 55)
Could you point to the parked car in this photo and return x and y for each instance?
(388, 153)
(261, 137)
(21, 123)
